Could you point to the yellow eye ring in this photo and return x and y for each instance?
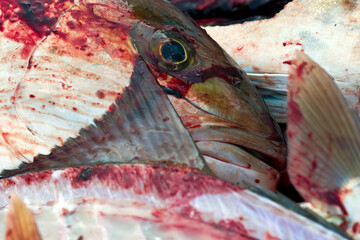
(173, 52)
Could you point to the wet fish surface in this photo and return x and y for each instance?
(327, 31)
(323, 133)
(66, 62)
(144, 201)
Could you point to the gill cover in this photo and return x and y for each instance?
(191, 66)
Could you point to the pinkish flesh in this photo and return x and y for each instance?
(147, 201)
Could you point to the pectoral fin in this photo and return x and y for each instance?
(323, 134)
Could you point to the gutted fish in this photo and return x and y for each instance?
(148, 202)
(98, 186)
(324, 143)
(327, 31)
(64, 63)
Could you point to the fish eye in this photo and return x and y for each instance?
(173, 52)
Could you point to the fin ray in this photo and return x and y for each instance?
(20, 223)
(323, 134)
(140, 127)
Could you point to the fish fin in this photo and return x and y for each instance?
(140, 127)
(272, 88)
(20, 223)
(323, 135)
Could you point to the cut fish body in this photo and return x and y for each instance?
(152, 201)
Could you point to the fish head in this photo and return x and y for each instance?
(79, 56)
(212, 95)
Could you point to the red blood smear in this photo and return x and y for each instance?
(111, 108)
(294, 112)
(335, 198)
(190, 220)
(300, 69)
(8, 182)
(228, 225)
(100, 94)
(165, 181)
(66, 212)
(289, 62)
(36, 178)
(174, 183)
(178, 82)
(240, 48)
(356, 228)
(28, 21)
(291, 43)
(268, 236)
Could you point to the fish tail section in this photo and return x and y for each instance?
(323, 135)
(20, 223)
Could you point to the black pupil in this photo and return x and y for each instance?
(173, 51)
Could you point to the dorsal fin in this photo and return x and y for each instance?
(20, 223)
(323, 134)
(140, 127)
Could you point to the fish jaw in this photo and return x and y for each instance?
(212, 82)
(208, 127)
(218, 141)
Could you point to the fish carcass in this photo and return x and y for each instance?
(63, 64)
(327, 31)
(163, 199)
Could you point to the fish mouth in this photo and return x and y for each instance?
(242, 129)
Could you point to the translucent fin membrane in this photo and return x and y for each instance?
(323, 134)
(141, 127)
(20, 223)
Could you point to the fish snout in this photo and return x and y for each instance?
(241, 116)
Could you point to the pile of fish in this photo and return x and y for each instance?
(124, 119)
